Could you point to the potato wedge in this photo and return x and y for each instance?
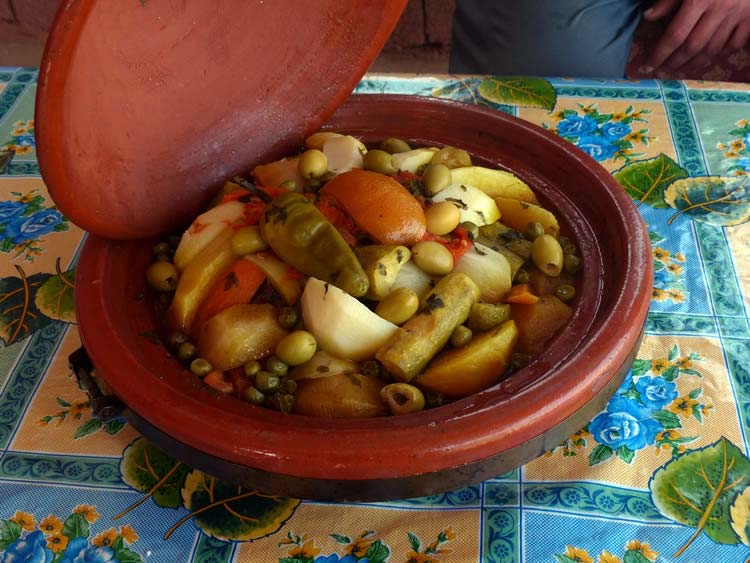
(205, 229)
(473, 204)
(342, 395)
(517, 214)
(323, 364)
(413, 160)
(538, 322)
(382, 263)
(273, 174)
(495, 183)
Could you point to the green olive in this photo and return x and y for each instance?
(461, 336)
(402, 398)
(471, 229)
(547, 255)
(247, 240)
(186, 352)
(571, 263)
(379, 161)
(288, 317)
(432, 258)
(254, 396)
(533, 230)
(565, 292)
(371, 368)
(162, 276)
(162, 248)
(398, 306)
(176, 339)
(267, 382)
(442, 218)
(251, 368)
(276, 366)
(296, 348)
(436, 178)
(522, 276)
(452, 157)
(567, 245)
(201, 367)
(393, 145)
(312, 164)
(290, 185)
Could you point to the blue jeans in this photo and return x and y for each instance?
(588, 38)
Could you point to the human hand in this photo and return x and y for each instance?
(699, 28)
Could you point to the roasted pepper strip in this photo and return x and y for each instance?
(301, 236)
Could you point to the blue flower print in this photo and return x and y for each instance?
(334, 558)
(615, 131)
(656, 392)
(625, 424)
(25, 140)
(576, 126)
(663, 278)
(34, 226)
(79, 551)
(30, 549)
(9, 210)
(597, 147)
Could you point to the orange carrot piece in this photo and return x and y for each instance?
(216, 380)
(521, 293)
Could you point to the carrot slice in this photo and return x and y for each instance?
(216, 380)
(521, 293)
(237, 285)
(379, 205)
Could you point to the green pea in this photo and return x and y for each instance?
(296, 348)
(379, 161)
(187, 352)
(312, 164)
(571, 263)
(565, 292)
(175, 339)
(267, 382)
(201, 367)
(290, 185)
(288, 317)
(162, 248)
(567, 245)
(254, 396)
(547, 255)
(461, 336)
(452, 157)
(522, 276)
(247, 240)
(471, 229)
(533, 230)
(162, 276)
(402, 398)
(393, 145)
(251, 368)
(436, 178)
(398, 306)
(276, 366)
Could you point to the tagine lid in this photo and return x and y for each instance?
(144, 106)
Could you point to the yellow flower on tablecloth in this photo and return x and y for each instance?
(449, 534)
(588, 109)
(578, 555)
(78, 409)
(306, 550)
(8, 147)
(667, 435)
(57, 542)
(414, 557)
(643, 548)
(359, 547)
(636, 137)
(676, 295)
(743, 123)
(730, 154)
(559, 115)
(680, 257)
(659, 294)
(659, 365)
(88, 512)
(740, 173)
(23, 149)
(639, 114)
(619, 116)
(676, 269)
(721, 146)
(684, 362)
(43, 422)
(51, 525)
(737, 144)
(661, 254)
(128, 533)
(25, 520)
(18, 131)
(106, 538)
(19, 123)
(30, 124)
(683, 405)
(607, 557)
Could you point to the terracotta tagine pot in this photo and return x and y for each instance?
(117, 190)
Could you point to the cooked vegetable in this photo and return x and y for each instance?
(247, 240)
(522, 294)
(393, 145)
(432, 258)
(413, 160)
(411, 277)
(464, 371)
(490, 271)
(216, 380)
(341, 324)
(452, 157)
(276, 366)
(542, 284)
(499, 234)
(382, 263)
(175, 339)
(538, 322)
(296, 348)
(517, 214)
(471, 229)
(342, 395)
(187, 352)
(317, 140)
(436, 178)
(461, 336)
(547, 255)
(571, 263)
(251, 368)
(441, 218)
(565, 292)
(201, 367)
(343, 153)
(402, 398)
(282, 277)
(288, 317)
(274, 174)
(303, 237)
(533, 230)
(486, 316)
(240, 334)
(473, 204)
(399, 306)
(414, 345)
(205, 229)
(253, 395)
(267, 382)
(162, 276)
(312, 164)
(198, 278)
(323, 364)
(495, 183)
(379, 161)
(379, 205)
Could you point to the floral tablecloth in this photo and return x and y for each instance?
(662, 474)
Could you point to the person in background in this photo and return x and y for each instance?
(589, 37)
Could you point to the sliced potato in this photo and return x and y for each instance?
(475, 206)
(343, 153)
(382, 263)
(478, 365)
(538, 322)
(205, 229)
(495, 183)
(282, 277)
(273, 174)
(317, 140)
(413, 160)
(518, 214)
(323, 364)
(344, 395)
(412, 277)
(490, 270)
(240, 334)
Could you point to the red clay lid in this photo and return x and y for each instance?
(144, 106)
